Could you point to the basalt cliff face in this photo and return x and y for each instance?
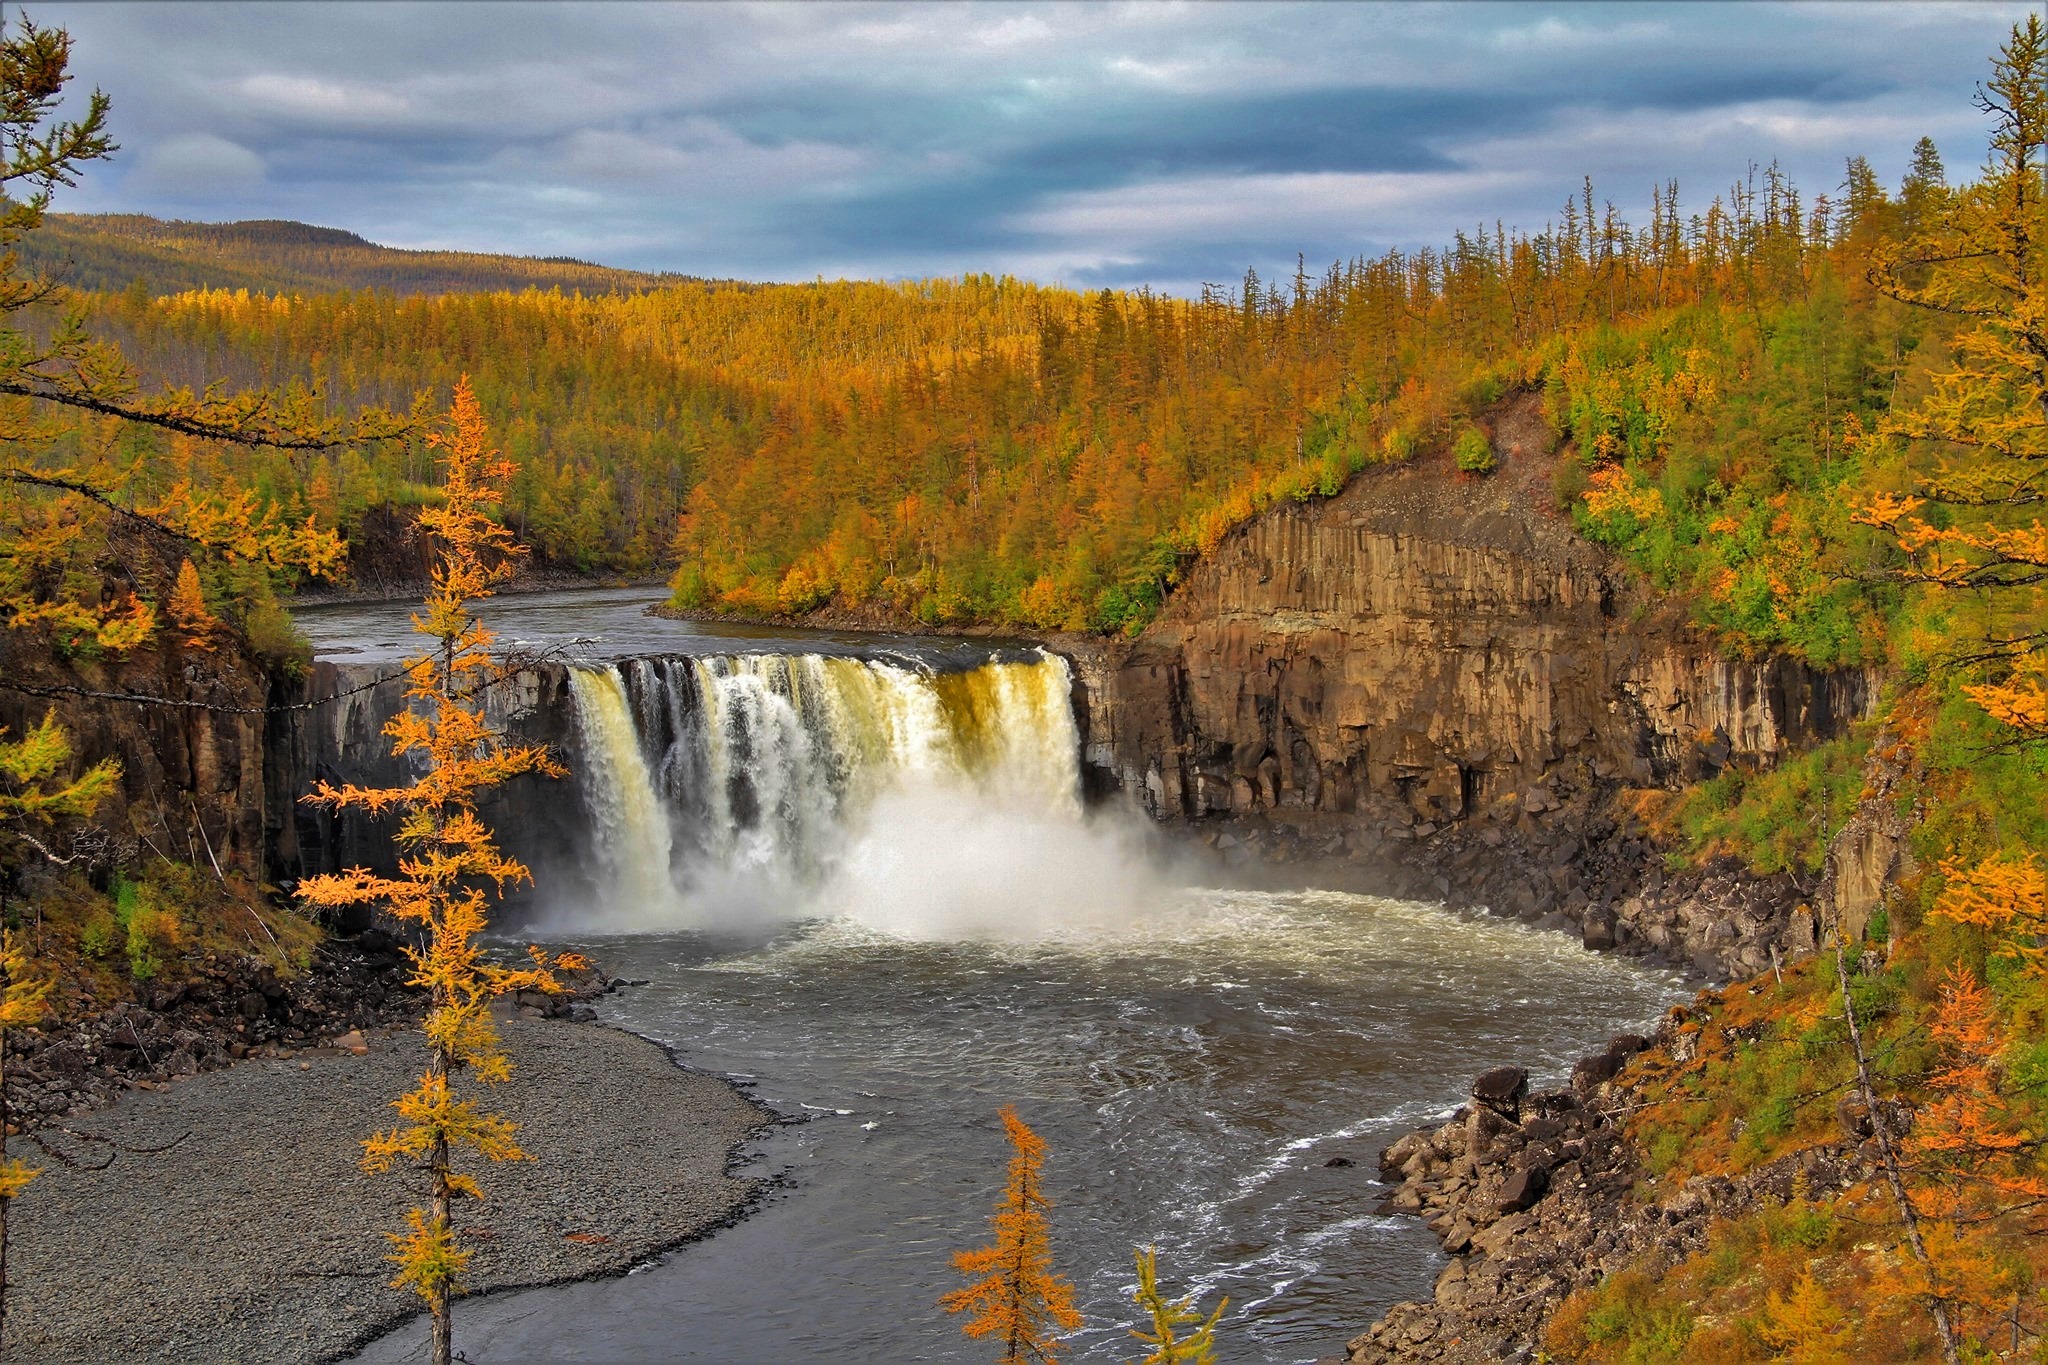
(1432, 677)
(192, 764)
(334, 732)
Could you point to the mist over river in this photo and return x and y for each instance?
(857, 876)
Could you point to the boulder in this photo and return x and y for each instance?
(1502, 1090)
(1595, 1070)
(1522, 1190)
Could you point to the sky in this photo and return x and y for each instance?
(1154, 143)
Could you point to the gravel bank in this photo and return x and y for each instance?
(257, 1238)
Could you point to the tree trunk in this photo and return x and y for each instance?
(444, 1221)
(1937, 1306)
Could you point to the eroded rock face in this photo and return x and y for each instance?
(192, 765)
(335, 732)
(1443, 642)
(1429, 686)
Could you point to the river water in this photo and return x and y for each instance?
(900, 919)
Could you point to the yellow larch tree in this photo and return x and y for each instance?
(1973, 521)
(188, 610)
(1971, 526)
(450, 867)
(51, 503)
(1169, 1316)
(1015, 1296)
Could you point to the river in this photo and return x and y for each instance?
(884, 910)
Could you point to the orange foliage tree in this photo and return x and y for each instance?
(1015, 1295)
(1972, 1165)
(1972, 524)
(451, 867)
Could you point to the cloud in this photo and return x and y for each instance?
(1102, 143)
(326, 102)
(195, 167)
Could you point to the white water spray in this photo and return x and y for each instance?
(755, 788)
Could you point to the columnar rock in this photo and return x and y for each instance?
(1443, 641)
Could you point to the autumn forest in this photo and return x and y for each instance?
(1806, 424)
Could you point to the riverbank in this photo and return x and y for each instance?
(1535, 1197)
(256, 1237)
(412, 587)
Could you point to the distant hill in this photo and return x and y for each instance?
(110, 251)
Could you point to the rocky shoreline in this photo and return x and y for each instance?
(1569, 868)
(1536, 1196)
(233, 1223)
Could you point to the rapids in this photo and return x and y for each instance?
(859, 879)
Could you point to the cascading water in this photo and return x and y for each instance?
(738, 787)
(1214, 1069)
(630, 826)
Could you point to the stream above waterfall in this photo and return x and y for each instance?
(859, 878)
(611, 623)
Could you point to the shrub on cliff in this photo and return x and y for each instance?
(1473, 452)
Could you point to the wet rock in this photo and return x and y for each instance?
(1502, 1090)
(1589, 1072)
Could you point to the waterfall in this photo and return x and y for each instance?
(732, 787)
(630, 826)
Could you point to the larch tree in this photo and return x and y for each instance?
(1169, 1316)
(1972, 527)
(50, 362)
(450, 867)
(37, 796)
(1015, 1296)
(1974, 521)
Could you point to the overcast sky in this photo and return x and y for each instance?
(1117, 144)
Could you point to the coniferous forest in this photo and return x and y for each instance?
(1812, 418)
(990, 450)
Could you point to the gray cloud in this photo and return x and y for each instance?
(1093, 143)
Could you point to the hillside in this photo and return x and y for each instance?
(1808, 433)
(109, 252)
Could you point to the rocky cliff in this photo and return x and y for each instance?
(1430, 675)
(333, 730)
(192, 751)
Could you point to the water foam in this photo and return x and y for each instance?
(750, 790)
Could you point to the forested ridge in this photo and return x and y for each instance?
(1818, 416)
(114, 251)
(987, 449)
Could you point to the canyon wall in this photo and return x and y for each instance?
(1412, 639)
(192, 764)
(1431, 675)
(334, 732)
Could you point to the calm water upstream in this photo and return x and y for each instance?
(884, 909)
